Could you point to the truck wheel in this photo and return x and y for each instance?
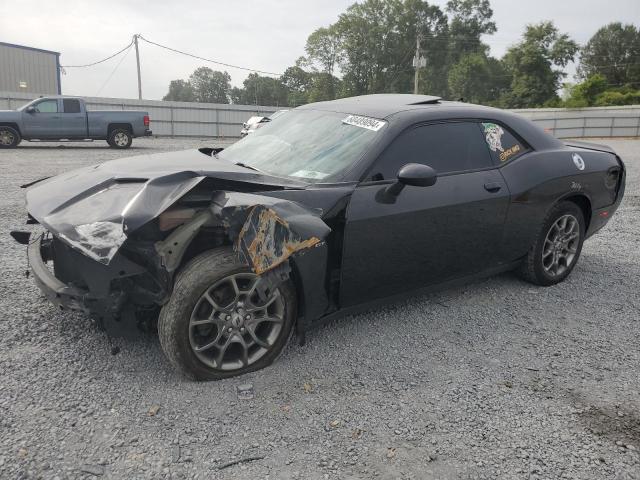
(9, 137)
(217, 325)
(556, 250)
(120, 138)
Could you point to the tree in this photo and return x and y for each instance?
(180, 91)
(468, 20)
(614, 53)
(586, 93)
(210, 86)
(261, 90)
(470, 78)
(531, 63)
(297, 82)
(323, 49)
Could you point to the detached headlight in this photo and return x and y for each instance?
(94, 224)
(97, 240)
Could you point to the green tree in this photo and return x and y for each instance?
(536, 65)
(586, 93)
(614, 53)
(324, 49)
(297, 82)
(470, 78)
(468, 20)
(261, 90)
(210, 86)
(180, 91)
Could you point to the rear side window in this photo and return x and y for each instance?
(71, 105)
(503, 144)
(446, 147)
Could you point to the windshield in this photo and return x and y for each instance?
(310, 145)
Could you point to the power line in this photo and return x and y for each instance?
(114, 70)
(99, 61)
(208, 59)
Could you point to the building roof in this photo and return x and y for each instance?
(13, 45)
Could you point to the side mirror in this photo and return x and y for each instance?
(414, 174)
(31, 109)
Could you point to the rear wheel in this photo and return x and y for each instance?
(221, 321)
(557, 248)
(9, 137)
(120, 138)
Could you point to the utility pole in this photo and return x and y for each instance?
(418, 63)
(135, 41)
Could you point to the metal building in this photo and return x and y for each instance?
(29, 70)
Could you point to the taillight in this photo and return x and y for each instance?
(146, 120)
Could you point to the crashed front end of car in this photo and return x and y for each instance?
(113, 243)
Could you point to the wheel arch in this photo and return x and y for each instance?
(12, 125)
(584, 203)
(112, 126)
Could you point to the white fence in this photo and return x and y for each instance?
(184, 119)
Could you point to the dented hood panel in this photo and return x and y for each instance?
(94, 208)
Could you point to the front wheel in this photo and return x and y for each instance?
(120, 138)
(9, 137)
(221, 321)
(556, 250)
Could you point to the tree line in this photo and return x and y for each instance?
(371, 46)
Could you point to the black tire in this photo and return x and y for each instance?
(9, 137)
(533, 267)
(200, 275)
(120, 138)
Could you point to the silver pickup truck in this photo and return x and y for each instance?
(66, 118)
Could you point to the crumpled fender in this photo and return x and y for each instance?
(271, 235)
(265, 231)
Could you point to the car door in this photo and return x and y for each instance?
(424, 235)
(43, 121)
(74, 120)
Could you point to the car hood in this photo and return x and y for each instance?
(102, 204)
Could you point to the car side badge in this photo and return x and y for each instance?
(578, 161)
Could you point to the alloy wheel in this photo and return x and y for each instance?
(232, 325)
(6, 137)
(561, 245)
(121, 139)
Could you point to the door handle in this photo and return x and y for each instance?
(492, 187)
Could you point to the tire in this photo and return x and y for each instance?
(210, 273)
(538, 267)
(9, 137)
(120, 138)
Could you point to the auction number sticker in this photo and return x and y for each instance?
(364, 122)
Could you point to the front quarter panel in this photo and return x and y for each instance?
(539, 180)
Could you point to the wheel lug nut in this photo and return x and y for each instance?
(228, 317)
(230, 329)
(247, 317)
(242, 329)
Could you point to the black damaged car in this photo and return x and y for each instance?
(328, 210)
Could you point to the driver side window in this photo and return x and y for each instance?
(446, 147)
(47, 106)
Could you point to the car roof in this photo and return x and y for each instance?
(406, 109)
(379, 105)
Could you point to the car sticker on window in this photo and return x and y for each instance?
(509, 152)
(493, 134)
(364, 122)
(310, 174)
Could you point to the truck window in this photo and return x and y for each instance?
(71, 105)
(47, 106)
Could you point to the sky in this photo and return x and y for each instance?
(266, 35)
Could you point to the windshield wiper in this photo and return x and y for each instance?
(240, 164)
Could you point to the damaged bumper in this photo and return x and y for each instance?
(60, 294)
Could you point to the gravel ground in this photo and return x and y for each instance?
(499, 379)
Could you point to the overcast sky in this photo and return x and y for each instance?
(262, 34)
